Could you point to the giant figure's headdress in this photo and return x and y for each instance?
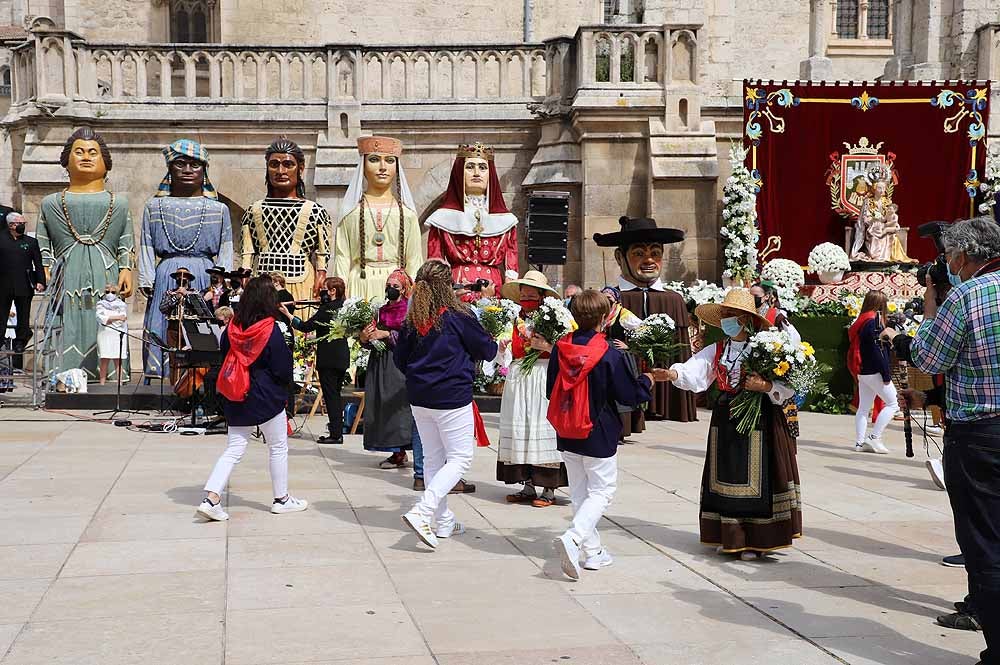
(451, 215)
(382, 145)
(194, 150)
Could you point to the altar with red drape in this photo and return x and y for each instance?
(811, 144)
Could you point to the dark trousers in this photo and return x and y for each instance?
(332, 382)
(972, 474)
(22, 305)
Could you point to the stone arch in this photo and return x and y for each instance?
(602, 57)
(684, 63)
(651, 45)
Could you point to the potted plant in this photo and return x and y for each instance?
(829, 262)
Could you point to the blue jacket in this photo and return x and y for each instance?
(874, 352)
(610, 381)
(440, 366)
(270, 376)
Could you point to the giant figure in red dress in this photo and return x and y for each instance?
(473, 231)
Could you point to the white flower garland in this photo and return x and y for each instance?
(788, 277)
(990, 186)
(739, 220)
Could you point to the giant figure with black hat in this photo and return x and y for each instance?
(639, 253)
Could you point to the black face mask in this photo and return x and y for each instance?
(19, 229)
(392, 293)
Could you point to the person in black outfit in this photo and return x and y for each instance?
(332, 357)
(21, 275)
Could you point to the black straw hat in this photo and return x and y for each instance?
(638, 229)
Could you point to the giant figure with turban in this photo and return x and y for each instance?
(473, 231)
(183, 226)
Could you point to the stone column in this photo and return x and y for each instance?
(902, 41)
(927, 33)
(817, 66)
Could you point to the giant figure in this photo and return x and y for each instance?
(639, 253)
(183, 225)
(89, 230)
(378, 230)
(285, 232)
(473, 231)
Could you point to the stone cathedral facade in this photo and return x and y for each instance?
(630, 106)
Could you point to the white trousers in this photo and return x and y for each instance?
(448, 438)
(592, 485)
(275, 433)
(870, 386)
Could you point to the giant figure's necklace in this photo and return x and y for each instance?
(170, 241)
(102, 227)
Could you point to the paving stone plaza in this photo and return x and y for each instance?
(103, 562)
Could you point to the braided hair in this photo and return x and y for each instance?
(284, 145)
(432, 293)
(401, 253)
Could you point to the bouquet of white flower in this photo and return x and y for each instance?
(990, 186)
(739, 219)
(551, 321)
(772, 355)
(827, 257)
(788, 278)
(496, 314)
(355, 315)
(655, 340)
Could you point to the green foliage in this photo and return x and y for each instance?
(809, 308)
(822, 401)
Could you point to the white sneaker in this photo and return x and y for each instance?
(936, 470)
(859, 447)
(749, 556)
(876, 443)
(290, 505)
(457, 529)
(569, 556)
(421, 527)
(212, 512)
(602, 559)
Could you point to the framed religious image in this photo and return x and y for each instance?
(850, 175)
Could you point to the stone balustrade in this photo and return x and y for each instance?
(637, 55)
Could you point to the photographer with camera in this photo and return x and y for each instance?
(470, 293)
(961, 339)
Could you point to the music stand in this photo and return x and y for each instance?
(152, 339)
(197, 340)
(122, 334)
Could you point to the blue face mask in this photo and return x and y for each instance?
(953, 279)
(731, 326)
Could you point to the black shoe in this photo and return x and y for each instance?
(330, 439)
(959, 621)
(954, 561)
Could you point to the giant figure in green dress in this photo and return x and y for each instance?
(89, 231)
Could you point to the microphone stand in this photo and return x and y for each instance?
(118, 379)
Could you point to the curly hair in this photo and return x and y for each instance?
(85, 134)
(432, 293)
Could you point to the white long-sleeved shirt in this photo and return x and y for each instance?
(697, 374)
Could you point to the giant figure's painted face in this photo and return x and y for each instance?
(85, 160)
(642, 263)
(284, 170)
(380, 169)
(477, 176)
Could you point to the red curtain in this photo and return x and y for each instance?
(932, 164)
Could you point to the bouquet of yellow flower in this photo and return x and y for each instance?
(772, 355)
(496, 315)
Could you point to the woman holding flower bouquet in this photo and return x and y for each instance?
(750, 495)
(388, 421)
(528, 450)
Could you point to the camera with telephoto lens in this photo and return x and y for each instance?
(938, 268)
(476, 286)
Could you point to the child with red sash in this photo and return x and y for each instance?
(586, 381)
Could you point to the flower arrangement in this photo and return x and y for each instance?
(354, 316)
(990, 186)
(655, 340)
(551, 321)
(772, 355)
(739, 220)
(496, 315)
(788, 277)
(827, 257)
(699, 292)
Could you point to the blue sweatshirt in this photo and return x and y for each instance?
(440, 366)
(609, 382)
(874, 352)
(270, 376)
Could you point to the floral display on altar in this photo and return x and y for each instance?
(739, 220)
(787, 277)
(828, 258)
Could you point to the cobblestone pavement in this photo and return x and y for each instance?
(102, 561)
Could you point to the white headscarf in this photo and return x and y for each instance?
(358, 185)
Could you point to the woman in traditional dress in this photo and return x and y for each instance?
(184, 225)
(528, 451)
(388, 420)
(378, 230)
(616, 326)
(750, 495)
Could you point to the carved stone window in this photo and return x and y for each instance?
(193, 21)
(5, 81)
(860, 27)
